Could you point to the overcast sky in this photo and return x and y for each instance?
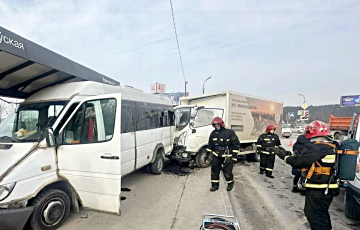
(273, 49)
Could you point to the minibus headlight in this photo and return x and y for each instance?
(182, 138)
(5, 190)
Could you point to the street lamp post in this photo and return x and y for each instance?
(204, 84)
(302, 96)
(303, 122)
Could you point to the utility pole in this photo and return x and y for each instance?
(185, 87)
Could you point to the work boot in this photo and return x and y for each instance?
(261, 171)
(230, 187)
(295, 189)
(269, 175)
(214, 188)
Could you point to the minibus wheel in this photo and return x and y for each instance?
(51, 209)
(158, 166)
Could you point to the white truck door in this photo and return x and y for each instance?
(90, 155)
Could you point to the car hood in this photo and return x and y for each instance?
(11, 154)
(286, 130)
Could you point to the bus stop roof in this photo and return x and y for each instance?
(26, 67)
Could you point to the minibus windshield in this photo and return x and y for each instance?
(29, 120)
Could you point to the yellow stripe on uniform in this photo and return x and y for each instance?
(234, 159)
(266, 139)
(228, 140)
(215, 154)
(286, 158)
(307, 185)
(215, 181)
(268, 169)
(229, 181)
(221, 139)
(236, 151)
(329, 159)
(265, 152)
(209, 150)
(214, 139)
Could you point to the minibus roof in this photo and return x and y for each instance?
(67, 91)
(26, 68)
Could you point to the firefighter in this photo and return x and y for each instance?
(321, 185)
(224, 146)
(266, 143)
(299, 148)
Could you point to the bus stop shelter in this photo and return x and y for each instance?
(26, 67)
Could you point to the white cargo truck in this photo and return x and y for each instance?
(247, 115)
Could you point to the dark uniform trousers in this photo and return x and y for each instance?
(316, 209)
(226, 165)
(267, 162)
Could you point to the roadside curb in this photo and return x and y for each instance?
(226, 198)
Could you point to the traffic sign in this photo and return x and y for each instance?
(300, 112)
(304, 106)
(291, 114)
(305, 116)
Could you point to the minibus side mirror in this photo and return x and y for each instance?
(49, 136)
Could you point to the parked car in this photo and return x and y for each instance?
(298, 129)
(286, 131)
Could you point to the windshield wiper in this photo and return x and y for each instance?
(11, 138)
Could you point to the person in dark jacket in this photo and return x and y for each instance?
(321, 186)
(300, 145)
(224, 146)
(266, 143)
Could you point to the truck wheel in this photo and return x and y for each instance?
(51, 209)
(203, 159)
(158, 166)
(255, 157)
(352, 207)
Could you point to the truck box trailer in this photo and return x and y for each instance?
(247, 115)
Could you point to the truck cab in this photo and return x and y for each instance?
(193, 128)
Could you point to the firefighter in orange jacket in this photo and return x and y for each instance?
(224, 146)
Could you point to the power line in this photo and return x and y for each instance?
(177, 41)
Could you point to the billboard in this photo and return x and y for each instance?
(174, 96)
(353, 100)
(249, 116)
(158, 88)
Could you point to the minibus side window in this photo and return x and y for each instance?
(127, 122)
(93, 122)
(150, 116)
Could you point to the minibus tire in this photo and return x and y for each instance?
(158, 166)
(54, 202)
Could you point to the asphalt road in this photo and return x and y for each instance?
(263, 203)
